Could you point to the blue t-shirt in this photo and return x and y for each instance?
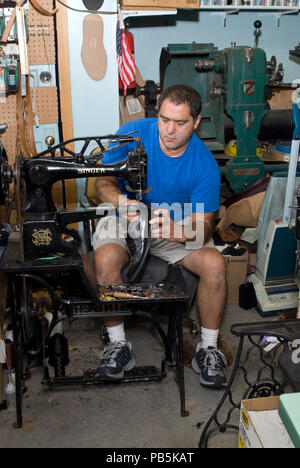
(191, 179)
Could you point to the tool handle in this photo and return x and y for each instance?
(122, 295)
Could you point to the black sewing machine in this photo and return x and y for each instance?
(43, 225)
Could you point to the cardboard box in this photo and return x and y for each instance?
(261, 426)
(236, 273)
(251, 263)
(161, 4)
(275, 155)
(131, 108)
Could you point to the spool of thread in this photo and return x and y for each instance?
(10, 391)
(11, 401)
(10, 388)
(9, 335)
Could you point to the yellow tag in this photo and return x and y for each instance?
(245, 419)
(241, 442)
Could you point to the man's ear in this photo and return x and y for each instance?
(197, 121)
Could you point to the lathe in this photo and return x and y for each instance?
(234, 84)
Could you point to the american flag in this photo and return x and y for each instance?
(125, 59)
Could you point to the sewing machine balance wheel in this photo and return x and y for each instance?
(5, 176)
(8, 175)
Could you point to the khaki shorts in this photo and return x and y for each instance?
(113, 230)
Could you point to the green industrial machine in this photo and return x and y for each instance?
(177, 65)
(232, 82)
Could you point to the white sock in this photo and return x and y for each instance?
(116, 333)
(209, 337)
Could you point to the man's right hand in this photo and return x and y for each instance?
(108, 192)
(129, 209)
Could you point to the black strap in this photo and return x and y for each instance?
(93, 4)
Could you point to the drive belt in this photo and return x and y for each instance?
(25, 122)
(41, 9)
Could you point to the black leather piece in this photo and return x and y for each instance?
(93, 4)
(138, 243)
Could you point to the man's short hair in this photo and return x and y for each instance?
(182, 94)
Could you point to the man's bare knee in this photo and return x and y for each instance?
(214, 263)
(109, 260)
(205, 262)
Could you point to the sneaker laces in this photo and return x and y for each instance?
(214, 359)
(111, 350)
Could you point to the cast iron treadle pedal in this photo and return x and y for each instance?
(138, 374)
(141, 373)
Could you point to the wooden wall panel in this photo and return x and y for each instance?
(63, 60)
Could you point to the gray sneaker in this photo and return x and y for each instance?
(116, 358)
(209, 363)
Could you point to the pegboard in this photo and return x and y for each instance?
(47, 104)
(41, 50)
(8, 116)
(41, 45)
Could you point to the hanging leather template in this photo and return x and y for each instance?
(93, 53)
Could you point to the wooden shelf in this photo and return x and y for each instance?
(225, 10)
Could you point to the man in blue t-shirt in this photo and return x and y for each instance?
(184, 179)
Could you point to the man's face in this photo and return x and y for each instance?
(175, 127)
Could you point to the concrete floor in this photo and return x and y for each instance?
(138, 415)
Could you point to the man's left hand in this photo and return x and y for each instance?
(164, 227)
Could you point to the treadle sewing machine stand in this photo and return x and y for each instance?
(266, 382)
(44, 254)
(73, 308)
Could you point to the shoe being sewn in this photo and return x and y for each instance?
(138, 242)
